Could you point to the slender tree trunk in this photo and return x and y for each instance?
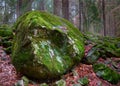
(19, 7)
(101, 17)
(65, 9)
(104, 18)
(23, 6)
(42, 4)
(57, 4)
(28, 4)
(81, 15)
(6, 14)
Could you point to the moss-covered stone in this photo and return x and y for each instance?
(106, 73)
(45, 46)
(104, 46)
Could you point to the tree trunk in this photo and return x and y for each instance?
(104, 18)
(28, 4)
(23, 6)
(65, 9)
(6, 14)
(57, 4)
(19, 7)
(42, 4)
(81, 15)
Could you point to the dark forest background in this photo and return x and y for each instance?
(101, 17)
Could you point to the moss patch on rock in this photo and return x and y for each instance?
(106, 73)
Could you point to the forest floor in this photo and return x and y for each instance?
(9, 76)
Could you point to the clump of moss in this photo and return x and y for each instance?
(106, 73)
(6, 36)
(106, 46)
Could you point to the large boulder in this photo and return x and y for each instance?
(45, 46)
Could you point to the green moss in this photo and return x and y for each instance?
(6, 31)
(106, 46)
(45, 46)
(6, 36)
(106, 73)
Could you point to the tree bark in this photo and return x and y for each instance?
(81, 15)
(23, 6)
(42, 5)
(65, 9)
(104, 18)
(28, 4)
(6, 15)
(57, 4)
(19, 7)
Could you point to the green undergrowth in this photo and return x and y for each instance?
(105, 47)
(106, 73)
(6, 37)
